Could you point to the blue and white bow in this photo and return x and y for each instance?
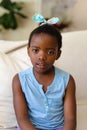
(40, 19)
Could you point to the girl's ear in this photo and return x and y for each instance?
(58, 54)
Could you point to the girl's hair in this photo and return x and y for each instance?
(47, 29)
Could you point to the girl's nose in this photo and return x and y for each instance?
(42, 56)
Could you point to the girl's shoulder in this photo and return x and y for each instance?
(62, 76)
(59, 71)
(26, 71)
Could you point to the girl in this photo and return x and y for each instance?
(44, 95)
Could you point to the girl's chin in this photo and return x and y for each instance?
(42, 70)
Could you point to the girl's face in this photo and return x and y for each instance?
(43, 51)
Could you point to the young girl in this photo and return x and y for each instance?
(44, 95)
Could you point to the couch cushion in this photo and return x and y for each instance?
(9, 46)
(7, 70)
(9, 66)
(81, 117)
(73, 59)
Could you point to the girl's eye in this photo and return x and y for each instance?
(51, 52)
(35, 50)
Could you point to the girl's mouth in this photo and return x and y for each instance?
(41, 65)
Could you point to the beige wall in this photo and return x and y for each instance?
(25, 25)
(77, 14)
(74, 12)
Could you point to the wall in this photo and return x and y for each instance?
(76, 13)
(25, 26)
(73, 10)
(79, 15)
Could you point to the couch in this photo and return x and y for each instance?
(14, 58)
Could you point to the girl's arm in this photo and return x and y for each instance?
(20, 106)
(70, 106)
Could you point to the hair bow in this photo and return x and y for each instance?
(40, 19)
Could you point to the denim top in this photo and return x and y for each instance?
(45, 110)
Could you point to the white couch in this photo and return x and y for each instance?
(14, 58)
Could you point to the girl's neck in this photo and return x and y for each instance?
(45, 79)
(44, 74)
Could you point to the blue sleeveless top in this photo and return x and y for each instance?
(45, 110)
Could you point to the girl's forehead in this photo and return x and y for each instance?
(45, 40)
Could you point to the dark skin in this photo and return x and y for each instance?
(43, 52)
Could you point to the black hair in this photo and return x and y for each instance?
(47, 29)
